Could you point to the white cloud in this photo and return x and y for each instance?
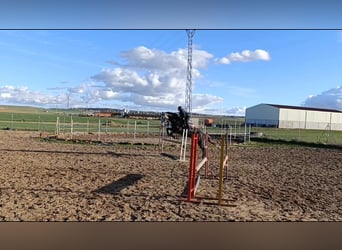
(105, 94)
(144, 58)
(23, 95)
(155, 78)
(166, 101)
(331, 99)
(201, 100)
(77, 96)
(235, 111)
(147, 78)
(245, 56)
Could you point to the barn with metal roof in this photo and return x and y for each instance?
(284, 116)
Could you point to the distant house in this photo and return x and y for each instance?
(283, 116)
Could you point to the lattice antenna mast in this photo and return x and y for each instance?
(188, 90)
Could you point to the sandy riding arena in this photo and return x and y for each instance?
(49, 180)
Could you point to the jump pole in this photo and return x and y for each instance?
(206, 155)
(194, 179)
(192, 169)
(223, 163)
(183, 146)
(183, 142)
(221, 171)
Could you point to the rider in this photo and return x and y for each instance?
(184, 117)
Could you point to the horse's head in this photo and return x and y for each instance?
(164, 118)
(172, 121)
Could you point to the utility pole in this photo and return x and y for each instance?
(188, 90)
(68, 100)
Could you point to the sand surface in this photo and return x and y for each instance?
(45, 180)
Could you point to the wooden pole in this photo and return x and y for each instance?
(221, 170)
(206, 155)
(192, 168)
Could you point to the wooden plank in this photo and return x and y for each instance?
(225, 160)
(197, 183)
(201, 163)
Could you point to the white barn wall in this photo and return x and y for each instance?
(336, 121)
(262, 114)
(292, 117)
(317, 119)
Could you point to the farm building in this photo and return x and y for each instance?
(283, 116)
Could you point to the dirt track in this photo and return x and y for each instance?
(53, 181)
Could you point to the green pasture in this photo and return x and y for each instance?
(302, 135)
(47, 122)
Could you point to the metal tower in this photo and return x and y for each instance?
(188, 90)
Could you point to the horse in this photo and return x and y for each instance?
(174, 125)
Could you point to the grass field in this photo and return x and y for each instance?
(47, 122)
(304, 135)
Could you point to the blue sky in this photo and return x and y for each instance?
(146, 69)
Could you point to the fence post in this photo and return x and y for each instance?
(148, 127)
(39, 123)
(63, 127)
(249, 134)
(71, 127)
(57, 131)
(127, 128)
(99, 130)
(12, 122)
(245, 136)
(135, 129)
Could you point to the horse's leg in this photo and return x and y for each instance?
(211, 141)
(170, 132)
(201, 144)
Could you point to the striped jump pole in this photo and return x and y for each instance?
(194, 179)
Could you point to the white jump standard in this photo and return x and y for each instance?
(183, 143)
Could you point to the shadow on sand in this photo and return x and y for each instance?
(173, 157)
(116, 186)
